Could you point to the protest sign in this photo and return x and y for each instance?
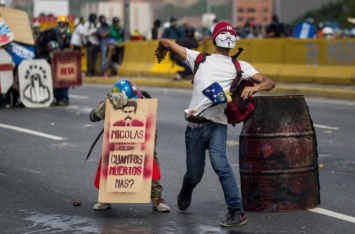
(35, 83)
(6, 73)
(19, 23)
(128, 152)
(6, 35)
(66, 67)
(20, 52)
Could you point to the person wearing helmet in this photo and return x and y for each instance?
(328, 32)
(45, 41)
(121, 93)
(36, 30)
(206, 123)
(52, 47)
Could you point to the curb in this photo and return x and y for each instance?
(313, 90)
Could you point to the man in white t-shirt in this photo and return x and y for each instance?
(207, 126)
(92, 42)
(78, 39)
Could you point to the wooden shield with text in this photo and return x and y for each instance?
(66, 67)
(35, 83)
(128, 152)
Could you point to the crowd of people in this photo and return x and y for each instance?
(107, 38)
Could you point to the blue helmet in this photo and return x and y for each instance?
(127, 87)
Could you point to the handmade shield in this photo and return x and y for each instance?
(35, 83)
(6, 35)
(6, 73)
(128, 152)
(66, 68)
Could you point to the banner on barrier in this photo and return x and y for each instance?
(128, 152)
(35, 83)
(6, 72)
(66, 67)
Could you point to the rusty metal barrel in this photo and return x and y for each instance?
(278, 156)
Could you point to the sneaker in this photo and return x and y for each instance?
(160, 205)
(101, 206)
(183, 204)
(177, 76)
(62, 103)
(234, 218)
(184, 197)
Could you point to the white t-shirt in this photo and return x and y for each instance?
(78, 35)
(216, 68)
(90, 31)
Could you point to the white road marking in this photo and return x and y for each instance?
(328, 101)
(78, 96)
(28, 131)
(334, 214)
(325, 127)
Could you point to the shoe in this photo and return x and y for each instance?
(160, 205)
(101, 206)
(184, 197)
(234, 218)
(62, 103)
(177, 76)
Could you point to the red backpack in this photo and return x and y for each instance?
(238, 109)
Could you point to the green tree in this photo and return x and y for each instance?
(335, 12)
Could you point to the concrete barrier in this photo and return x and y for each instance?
(288, 60)
(134, 58)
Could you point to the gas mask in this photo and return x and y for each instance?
(63, 27)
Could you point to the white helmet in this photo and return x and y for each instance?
(328, 32)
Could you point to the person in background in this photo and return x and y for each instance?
(117, 33)
(78, 39)
(189, 41)
(206, 123)
(61, 36)
(173, 31)
(36, 30)
(122, 91)
(275, 29)
(156, 29)
(104, 35)
(137, 36)
(92, 43)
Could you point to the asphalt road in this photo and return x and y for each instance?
(41, 175)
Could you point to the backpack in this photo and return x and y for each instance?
(238, 110)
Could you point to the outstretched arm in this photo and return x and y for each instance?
(166, 45)
(118, 100)
(263, 83)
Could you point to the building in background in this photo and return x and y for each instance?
(256, 11)
(289, 10)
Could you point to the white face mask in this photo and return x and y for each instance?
(226, 40)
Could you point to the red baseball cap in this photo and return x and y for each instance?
(222, 27)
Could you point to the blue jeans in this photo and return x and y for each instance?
(211, 137)
(103, 49)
